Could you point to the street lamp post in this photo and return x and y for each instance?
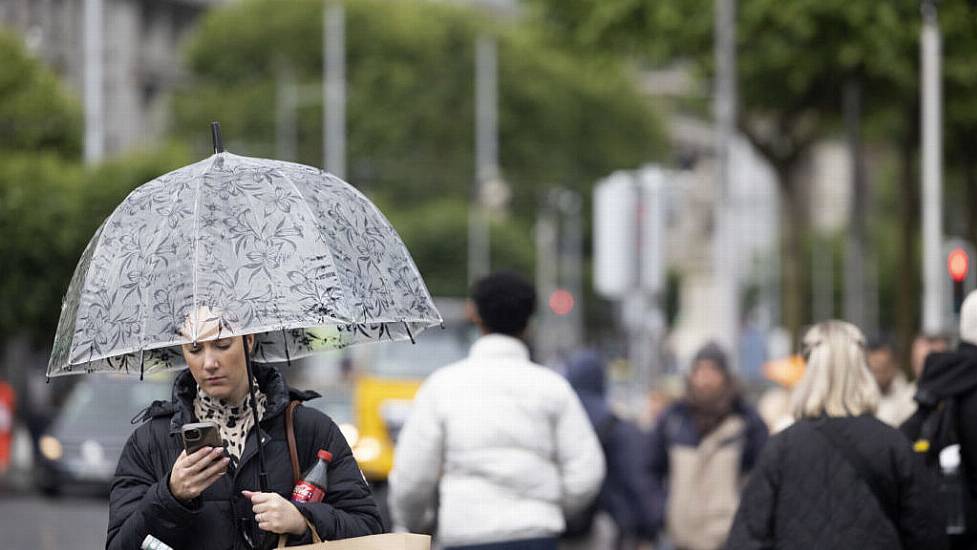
(724, 239)
(334, 89)
(932, 185)
(94, 81)
(486, 155)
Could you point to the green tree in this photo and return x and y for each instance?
(39, 144)
(794, 59)
(35, 112)
(563, 119)
(49, 209)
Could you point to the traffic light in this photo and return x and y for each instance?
(958, 266)
(561, 302)
(960, 278)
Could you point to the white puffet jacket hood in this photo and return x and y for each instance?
(501, 444)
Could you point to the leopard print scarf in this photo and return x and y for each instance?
(235, 420)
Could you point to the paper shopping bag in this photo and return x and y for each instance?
(389, 541)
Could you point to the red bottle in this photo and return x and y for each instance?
(312, 486)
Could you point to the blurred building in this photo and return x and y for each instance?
(142, 56)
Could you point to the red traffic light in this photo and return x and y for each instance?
(561, 302)
(958, 264)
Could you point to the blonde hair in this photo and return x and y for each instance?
(836, 379)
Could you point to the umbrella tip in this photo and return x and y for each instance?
(215, 134)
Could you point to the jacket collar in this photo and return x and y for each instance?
(269, 380)
(499, 346)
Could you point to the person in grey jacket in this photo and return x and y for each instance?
(497, 449)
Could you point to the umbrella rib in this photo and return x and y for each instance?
(196, 249)
(315, 223)
(144, 302)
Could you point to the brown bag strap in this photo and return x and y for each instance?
(283, 539)
(290, 435)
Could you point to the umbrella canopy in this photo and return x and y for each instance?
(284, 251)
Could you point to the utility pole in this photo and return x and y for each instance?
(932, 156)
(855, 249)
(486, 154)
(94, 81)
(724, 239)
(286, 103)
(571, 261)
(334, 89)
(547, 280)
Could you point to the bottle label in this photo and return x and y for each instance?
(307, 492)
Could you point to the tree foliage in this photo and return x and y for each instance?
(794, 60)
(49, 209)
(563, 119)
(35, 113)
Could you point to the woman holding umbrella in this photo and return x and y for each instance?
(223, 266)
(200, 500)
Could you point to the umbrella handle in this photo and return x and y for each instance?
(262, 473)
(215, 134)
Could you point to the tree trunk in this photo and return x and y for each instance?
(970, 193)
(793, 223)
(855, 249)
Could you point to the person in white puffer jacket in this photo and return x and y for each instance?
(497, 448)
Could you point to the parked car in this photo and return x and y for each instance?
(81, 447)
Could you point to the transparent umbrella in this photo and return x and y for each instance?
(283, 251)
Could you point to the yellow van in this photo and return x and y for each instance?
(385, 377)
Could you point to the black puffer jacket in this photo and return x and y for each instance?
(953, 376)
(221, 519)
(805, 494)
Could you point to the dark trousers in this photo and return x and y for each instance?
(526, 544)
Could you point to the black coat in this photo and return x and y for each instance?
(805, 494)
(221, 518)
(953, 376)
(626, 494)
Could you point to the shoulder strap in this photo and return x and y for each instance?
(862, 468)
(290, 436)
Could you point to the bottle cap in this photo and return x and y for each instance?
(324, 455)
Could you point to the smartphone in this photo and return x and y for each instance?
(200, 434)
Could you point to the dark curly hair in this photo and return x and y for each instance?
(505, 302)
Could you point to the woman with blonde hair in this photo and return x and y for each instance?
(838, 477)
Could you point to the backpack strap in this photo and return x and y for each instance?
(290, 436)
(863, 469)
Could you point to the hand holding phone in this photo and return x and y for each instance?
(193, 473)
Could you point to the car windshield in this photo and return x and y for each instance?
(434, 348)
(105, 406)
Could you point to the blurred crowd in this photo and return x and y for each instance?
(844, 448)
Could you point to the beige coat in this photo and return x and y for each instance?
(897, 404)
(704, 487)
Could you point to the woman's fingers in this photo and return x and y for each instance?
(205, 460)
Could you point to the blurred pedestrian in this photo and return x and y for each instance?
(7, 408)
(923, 345)
(774, 404)
(497, 449)
(700, 452)
(838, 477)
(947, 416)
(625, 495)
(895, 392)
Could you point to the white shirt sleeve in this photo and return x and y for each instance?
(579, 454)
(417, 463)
